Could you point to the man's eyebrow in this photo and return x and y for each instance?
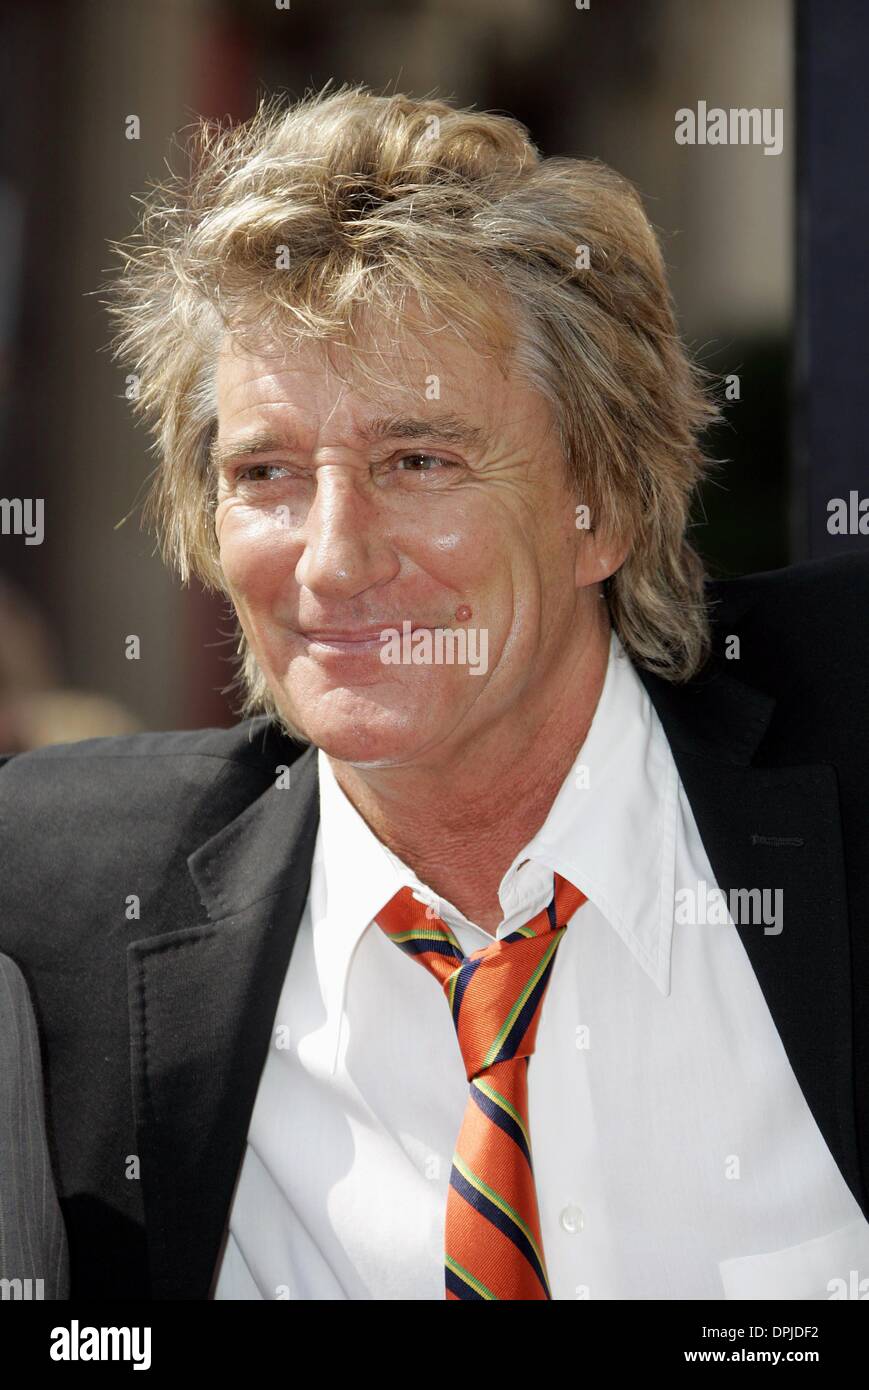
(220, 453)
(450, 429)
(444, 427)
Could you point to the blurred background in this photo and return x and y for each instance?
(753, 268)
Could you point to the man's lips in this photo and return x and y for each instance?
(351, 635)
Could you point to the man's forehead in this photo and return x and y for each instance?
(253, 373)
(305, 389)
(400, 357)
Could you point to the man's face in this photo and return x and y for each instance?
(355, 515)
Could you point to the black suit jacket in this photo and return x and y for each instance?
(155, 1028)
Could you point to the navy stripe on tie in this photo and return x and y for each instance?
(514, 1038)
(496, 1113)
(459, 1287)
(553, 920)
(434, 944)
(496, 1216)
(465, 976)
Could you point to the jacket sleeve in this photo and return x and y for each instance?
(33, 1245)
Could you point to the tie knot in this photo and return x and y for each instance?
(495, 995)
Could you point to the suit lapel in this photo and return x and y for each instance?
(202, 1004)
(776, 827)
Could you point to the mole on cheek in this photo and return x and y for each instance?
(463, 613)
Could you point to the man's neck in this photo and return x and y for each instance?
(460, 826)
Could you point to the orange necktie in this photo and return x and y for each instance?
(493, 1247)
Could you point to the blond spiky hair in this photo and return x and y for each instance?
(374, 197)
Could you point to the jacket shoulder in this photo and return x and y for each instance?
(84, 824)
(803, 639)
(251, 742)
(75, 810)
(829, 594)
(94, 792)
(171, 762)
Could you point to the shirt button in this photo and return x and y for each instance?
(571, 1219)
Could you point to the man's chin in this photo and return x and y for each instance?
(363, 748)
(365, 737)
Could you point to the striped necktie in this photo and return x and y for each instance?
(493, 1246)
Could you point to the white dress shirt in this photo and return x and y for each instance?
(675, 1155)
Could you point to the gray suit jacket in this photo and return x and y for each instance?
(33, 1244)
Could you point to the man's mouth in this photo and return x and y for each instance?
(353, 639)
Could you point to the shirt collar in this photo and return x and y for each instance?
(611, 831)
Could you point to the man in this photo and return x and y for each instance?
(425, 419)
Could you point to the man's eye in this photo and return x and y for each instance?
(426, 460)
(408, 463)
(265, 472)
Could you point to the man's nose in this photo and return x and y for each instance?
(344, 549)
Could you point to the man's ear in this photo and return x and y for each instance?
(598, 556)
